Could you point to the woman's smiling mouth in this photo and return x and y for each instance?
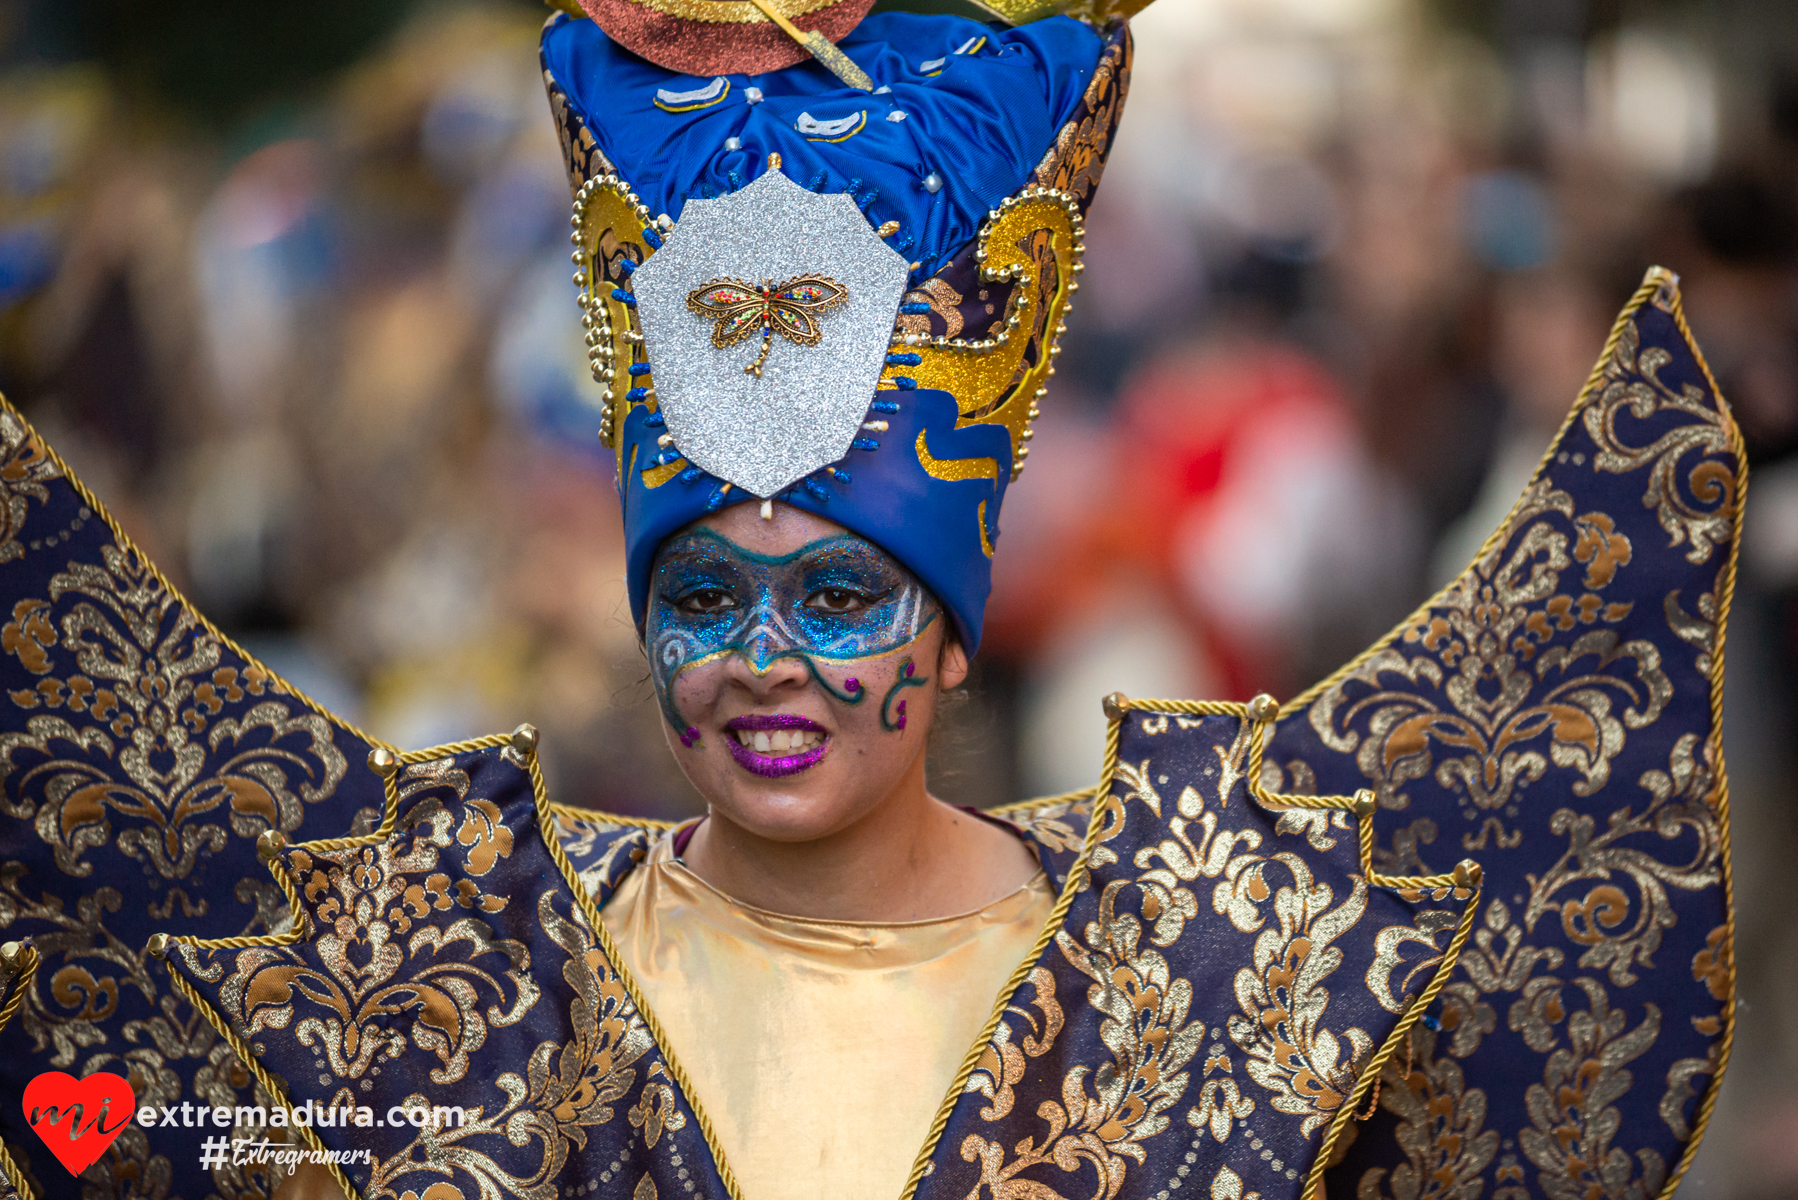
(776, 744)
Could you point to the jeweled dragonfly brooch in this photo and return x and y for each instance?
(790, 308)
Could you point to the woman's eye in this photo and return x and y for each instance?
(706, 601)
(836, 600)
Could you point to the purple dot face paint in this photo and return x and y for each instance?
(892, 715)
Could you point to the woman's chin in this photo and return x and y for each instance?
(798, 807)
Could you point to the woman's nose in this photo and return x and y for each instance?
(764, 667)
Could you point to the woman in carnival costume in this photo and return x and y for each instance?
(823, 262)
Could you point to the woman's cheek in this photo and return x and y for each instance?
(888, 686)
(695, 690)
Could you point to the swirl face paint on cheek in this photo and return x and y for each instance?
(833, 601)
(892, 717)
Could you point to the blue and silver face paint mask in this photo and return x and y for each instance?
(834, 601)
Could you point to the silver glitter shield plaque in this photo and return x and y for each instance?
(763, 433)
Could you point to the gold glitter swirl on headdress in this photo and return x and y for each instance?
(1032, 241)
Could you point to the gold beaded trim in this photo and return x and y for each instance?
(608, 225)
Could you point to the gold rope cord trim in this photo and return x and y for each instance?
(1018, 808)
(248, 1057)
(390, 814)
(1362, 804)
(1314, 1179)
(299, 924)
(1702, 1116)
(300, 928)
(590, 913)
(574, 812)
(1076, 882)
(21, 984)
(131, 547)
(1467, 878)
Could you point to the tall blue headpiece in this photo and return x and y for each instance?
(855, 306)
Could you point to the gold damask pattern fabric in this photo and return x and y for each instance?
(454, 960)
(141, 755)
(1209, 1002)
(1554, 713)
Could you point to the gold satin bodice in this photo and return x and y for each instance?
(820, 1050)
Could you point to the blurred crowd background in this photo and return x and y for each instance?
(288, 285)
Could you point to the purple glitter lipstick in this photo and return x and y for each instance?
(773, 764)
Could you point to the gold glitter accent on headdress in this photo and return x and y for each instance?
(954, 470)
(1033, 241)
(1095, 12)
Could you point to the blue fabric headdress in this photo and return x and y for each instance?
(845, 300)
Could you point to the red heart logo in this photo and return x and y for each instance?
(78, 1118)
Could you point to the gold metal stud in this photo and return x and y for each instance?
(270, 844)
(12, 957)
(1468, 874)
(1365, 804)
(1263, 708)
(158, 945)
(1116, 705)
(524, 739)
(383, 762)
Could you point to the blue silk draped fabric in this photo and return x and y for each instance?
(980, 105)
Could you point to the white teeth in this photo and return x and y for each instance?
(781, 741)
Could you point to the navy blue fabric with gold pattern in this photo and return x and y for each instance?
(1553, 713)
(453, 961)
(1208, 1003)
(451, 964)
(141, 755)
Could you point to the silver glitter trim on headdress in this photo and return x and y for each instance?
(765, 433)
